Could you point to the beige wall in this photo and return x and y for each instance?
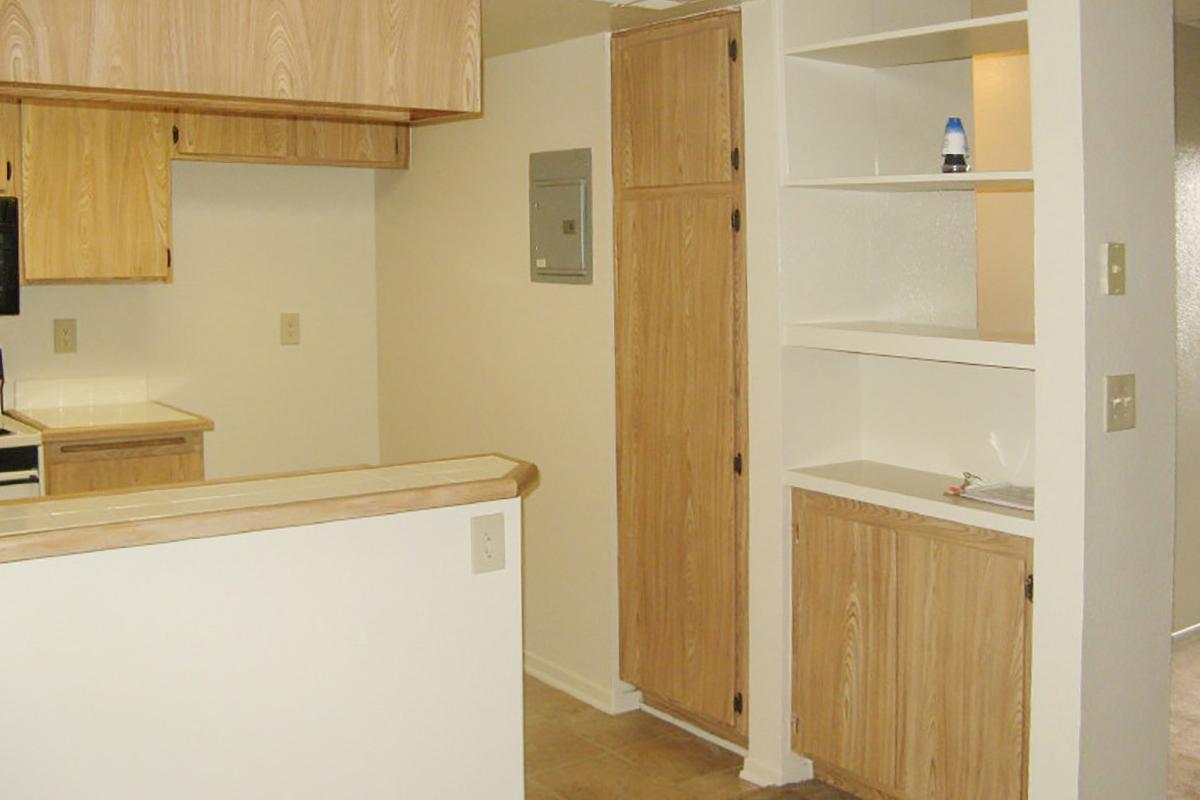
(249, 242)
(1187, 183)
(474, 357)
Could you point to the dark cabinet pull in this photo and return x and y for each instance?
(9, 171)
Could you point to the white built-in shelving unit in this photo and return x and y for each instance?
(890, 391)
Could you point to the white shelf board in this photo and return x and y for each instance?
(934, 182)
(947, 42)
(908, 490)
(924, 342)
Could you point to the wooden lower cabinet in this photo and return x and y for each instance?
(911, 652)
(127, 462)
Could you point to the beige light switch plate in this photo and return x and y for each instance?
(66, 336)
(289, 329)
(1120, 399)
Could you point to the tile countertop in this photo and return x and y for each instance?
(87, 523)
(66, 423)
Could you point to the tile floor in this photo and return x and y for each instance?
(574, 752)
(1185, 720)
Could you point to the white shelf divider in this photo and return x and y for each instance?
(926, 343)
(933, 182)
(947, 42)
(908, 490)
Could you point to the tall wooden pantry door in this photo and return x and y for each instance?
(680, 334)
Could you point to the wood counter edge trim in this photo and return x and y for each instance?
(213, 524)
(56, 435)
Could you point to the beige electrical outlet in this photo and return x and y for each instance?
(289, 329)
(65, 336)
(1120, 398)
(1115, 268)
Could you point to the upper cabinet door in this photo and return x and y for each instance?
(234, 137)
(10, 146)
(352, 143)
(96, 194)
(672, 115)
(365, 58)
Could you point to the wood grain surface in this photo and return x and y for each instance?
(123, 463)
(916, 630)
(96, 191)
(680, 324)
(845, 648)
(520, 480)
(235, 135)
(418, 54)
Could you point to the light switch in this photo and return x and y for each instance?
(1114, 260)
(1120, 398)
(289, 329)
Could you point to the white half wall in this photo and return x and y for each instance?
(357, 659)
(474, 357)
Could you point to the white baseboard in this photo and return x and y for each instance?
(594, 694)
(1187, 633)
(796, 771)
(699, 733)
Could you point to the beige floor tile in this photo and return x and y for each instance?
(677, 760)
(548, 746)
(536, 791)
(607, 778)
(722, 785)
(1185, 779)
(623, 730)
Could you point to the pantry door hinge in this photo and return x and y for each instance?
(1029, 588)
(737, 464)
(737, 220)
(736, 158)
(738, 704)
(733, 50)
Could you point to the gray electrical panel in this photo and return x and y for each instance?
(560, 216)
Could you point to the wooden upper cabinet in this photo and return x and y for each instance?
(96, 194)
(673, 116)
(10, 147)
(351, 143)
(233, 137)
(286, 140)
(366, 59)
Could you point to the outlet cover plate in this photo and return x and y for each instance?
(289, 329)
(487, 543)
(1115, 268)
(1120, 402)
(66, 336)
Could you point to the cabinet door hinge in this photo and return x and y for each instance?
(795, 724)
(737, 463)
(1029, 588)
(737, 220)
(738, 704)
(175, 134)
(736, 158)
(168, 258)
(733, 50)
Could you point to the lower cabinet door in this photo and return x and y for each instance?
(845, 640)
(910, 648)
(962, 669)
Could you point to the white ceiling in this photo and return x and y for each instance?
(1186, 11)
(512, 25)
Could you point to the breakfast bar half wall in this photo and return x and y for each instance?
(354, 633)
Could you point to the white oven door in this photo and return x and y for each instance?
(19, 485)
